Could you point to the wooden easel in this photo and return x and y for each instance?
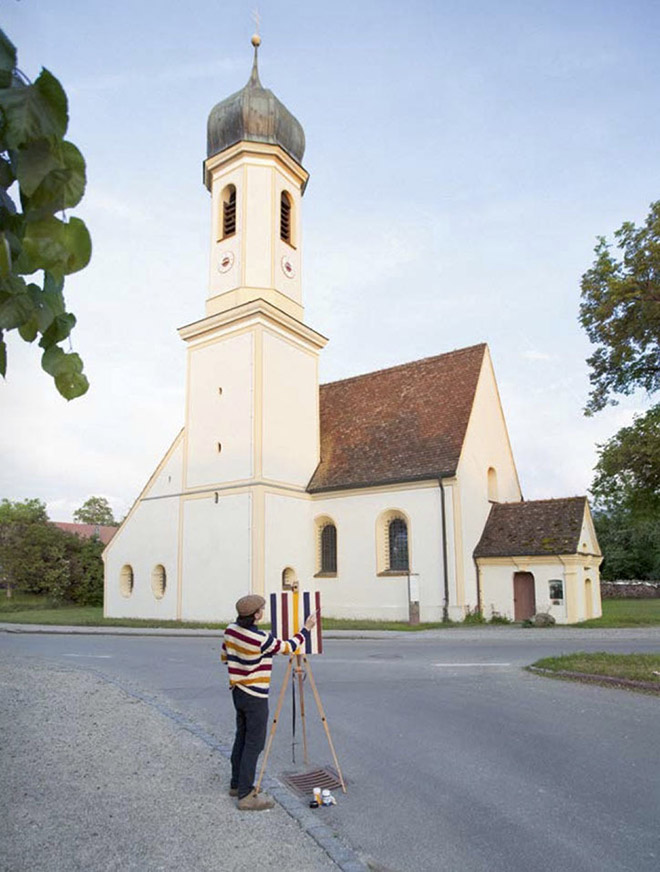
(302, 666)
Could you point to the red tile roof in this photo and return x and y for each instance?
(537, 527)
(406, 423)
(86, 531)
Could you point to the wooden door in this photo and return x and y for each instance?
(524, 596)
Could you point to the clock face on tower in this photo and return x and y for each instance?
(225, 261)
(288, 268)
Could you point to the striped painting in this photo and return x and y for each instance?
(288, 612)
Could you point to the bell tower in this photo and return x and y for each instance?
(254, 175)
(251, 436)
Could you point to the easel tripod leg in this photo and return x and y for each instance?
(319, 705)
(271, 736)
(299, 673)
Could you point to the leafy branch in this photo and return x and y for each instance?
(48, 173)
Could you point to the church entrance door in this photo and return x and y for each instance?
(524, 597)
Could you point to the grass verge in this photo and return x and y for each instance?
(626, 667)
(31, 609)
(627, 613)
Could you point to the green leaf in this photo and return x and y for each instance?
(64, 186)
(79, 245)
(51, 359)
(34, 111)
(7, 61)
(29, 330)
(72, 384)
(15, 311)
(34, 162)
(44, 247)
(66, 370)
(60, 328)
(5, 257)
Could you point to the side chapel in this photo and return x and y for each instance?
(394, 493)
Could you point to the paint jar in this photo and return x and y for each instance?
(317, 796)
(327, 798)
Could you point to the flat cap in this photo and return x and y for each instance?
(248, 605)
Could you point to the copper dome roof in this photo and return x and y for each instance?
(254, 114)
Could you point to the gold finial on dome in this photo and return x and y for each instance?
(256, 40)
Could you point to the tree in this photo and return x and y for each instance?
(620, 311)
(628, 467)
(37, 557)
(626, 489)
(15, 520)
(49, 173)
(95, 510)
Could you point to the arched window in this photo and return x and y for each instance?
(392, 543)
(397, 540)
(126, 580)
(329, 548)
(492, 485)
(228, 211)
(289, 578)
(158, 581)
(326, 546)
(286, 208)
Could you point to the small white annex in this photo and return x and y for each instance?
(375, 490)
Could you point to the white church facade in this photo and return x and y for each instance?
(394, 493)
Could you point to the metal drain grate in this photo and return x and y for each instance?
(304, 782)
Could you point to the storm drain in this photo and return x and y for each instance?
(305, 782)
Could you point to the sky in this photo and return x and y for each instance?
(464, 156)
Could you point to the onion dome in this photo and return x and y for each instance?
(254, 114)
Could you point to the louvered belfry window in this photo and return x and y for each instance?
(229, 211)
(329, 548)
(398, 544)
(285, 217)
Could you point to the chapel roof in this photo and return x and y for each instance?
(534, 528)
(254, 114)
(406, 423)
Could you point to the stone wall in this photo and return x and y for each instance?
(629, 589)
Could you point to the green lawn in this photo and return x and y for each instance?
(634, 667)
(627, 613)
(30, 609)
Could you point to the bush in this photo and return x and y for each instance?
(474, 616)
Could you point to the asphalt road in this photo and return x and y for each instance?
(456, 758)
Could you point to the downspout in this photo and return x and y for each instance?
(478, 571)
(445, 604)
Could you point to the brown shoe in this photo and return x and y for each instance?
(255, 802)
(233, 791)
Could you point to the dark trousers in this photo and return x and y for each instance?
(251, 725)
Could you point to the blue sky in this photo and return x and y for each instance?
(463, 159)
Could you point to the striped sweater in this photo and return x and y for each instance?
(249, 655)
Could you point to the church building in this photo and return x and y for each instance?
(395, 494)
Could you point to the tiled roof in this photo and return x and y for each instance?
(86, 531)
(532, 528)
(406, 423)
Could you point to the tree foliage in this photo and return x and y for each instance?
(95, 510)
(49, 174)
(628, 467)
(620, 311)
(626, 490)
(38, 557)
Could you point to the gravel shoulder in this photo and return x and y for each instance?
(95, 779)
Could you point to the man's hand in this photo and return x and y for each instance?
(311, 621)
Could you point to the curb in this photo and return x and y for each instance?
(597, 679)
(339, 852)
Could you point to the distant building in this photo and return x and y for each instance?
(375, 490)
(87, 531)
